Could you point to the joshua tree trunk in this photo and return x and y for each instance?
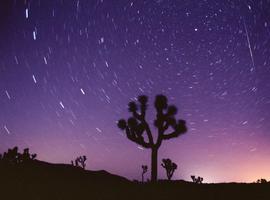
(169, 176)
(154, 164)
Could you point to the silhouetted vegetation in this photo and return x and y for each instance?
(197, 180)
(138, 129)
(144, 168)
(262, 180)
(169, 166)
(79, 162)
(24, 177)
(13, 156)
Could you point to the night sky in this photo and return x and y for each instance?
(68, 69)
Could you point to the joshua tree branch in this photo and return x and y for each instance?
(141, 118)
(179, 129)
(161, 133)
(128, 133)
(137, 115)
(141, 142)
(148, 132)
(172, 135)
(159, 140)
(138, 140)
(166, 126)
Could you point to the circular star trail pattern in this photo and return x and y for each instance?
(69, 68)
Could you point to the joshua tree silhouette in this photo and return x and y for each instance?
(79, 162)
(136, 126)
(169, 166)
(144, 168)
(196, 180)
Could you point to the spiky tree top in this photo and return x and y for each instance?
(169, 166)
(80, 162)
(196, 180)
(136, 126)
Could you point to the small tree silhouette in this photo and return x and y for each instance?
(144, 168)
(169, 166)
(136, 126)
(79, 162)
(198, 180)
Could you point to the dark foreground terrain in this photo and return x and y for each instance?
(39, 180)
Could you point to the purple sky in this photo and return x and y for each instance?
(68, 69)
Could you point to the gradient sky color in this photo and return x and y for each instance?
(68, 69)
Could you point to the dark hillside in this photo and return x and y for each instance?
(40, 180)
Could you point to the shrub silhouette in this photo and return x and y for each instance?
(262, 180)
(79, 162)
(144, 168)
(27, 156)
(169, 166)
(13, 157)
(198, 180)
(136, 126)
